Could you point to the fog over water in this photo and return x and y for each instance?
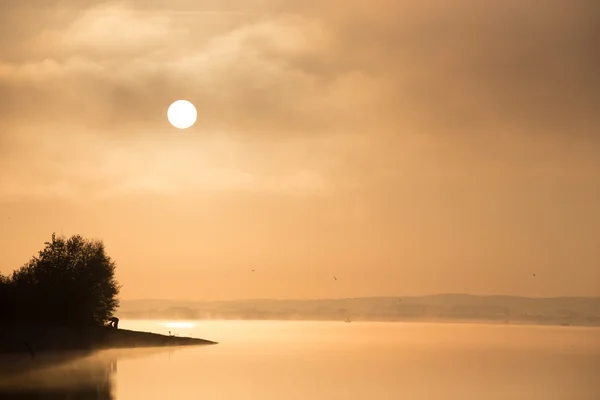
(336, 360)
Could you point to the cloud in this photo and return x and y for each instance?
(82, 168)
(115, 28)
(473, 84)
(463, 67)
(244, 80)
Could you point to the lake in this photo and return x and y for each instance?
(271, 360)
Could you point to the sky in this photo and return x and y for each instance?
(406, 148)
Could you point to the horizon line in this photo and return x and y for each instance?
(597, 297)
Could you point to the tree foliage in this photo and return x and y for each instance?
(70, 282)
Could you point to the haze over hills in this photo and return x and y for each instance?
(580, 311)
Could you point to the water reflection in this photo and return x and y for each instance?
(66, 376)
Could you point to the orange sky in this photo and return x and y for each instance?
(405, 147)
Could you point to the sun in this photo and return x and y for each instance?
(182, 114)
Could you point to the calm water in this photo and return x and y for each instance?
(336, 360)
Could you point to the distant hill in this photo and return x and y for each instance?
(443, 307)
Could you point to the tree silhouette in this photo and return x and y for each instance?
(70, 282)
(5, 302)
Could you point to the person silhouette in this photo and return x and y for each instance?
(114, 322)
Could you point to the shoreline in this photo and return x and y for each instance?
(33, 339)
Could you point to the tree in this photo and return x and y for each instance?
(4, 297)
(70, 282)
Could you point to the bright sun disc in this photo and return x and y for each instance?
(182, 114)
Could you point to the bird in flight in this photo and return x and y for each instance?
(335, 278)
